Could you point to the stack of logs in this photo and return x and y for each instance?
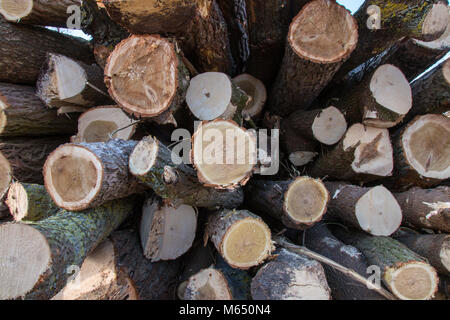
(98, 202)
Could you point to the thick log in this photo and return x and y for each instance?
(290, 277)
(321, 37)
(213, 154)
(364, 154)
(22, 113)
(298, 203)
(153, 164)
(241, 238)
(213, 95)
(26, 156)
(147, 78)
(23, 49)
(86, 175)
(6, 174)
(166, 232)
(65, 81)
(30, 202)
(421, 152)
(407, 275)
(426, 208)
(55, 246)
(419, 19)
(320, 240)
(257, 92)
(104, 123)
(434, 247)
(374, 210)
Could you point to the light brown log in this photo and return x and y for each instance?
(208, 284)
(257, 92)
(86, 175)
(5, 179)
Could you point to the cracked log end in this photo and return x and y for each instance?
(323, 32)
(96, 125)
(208, 284)
(73, 176)
(166, 232)
(5, 175)
(412, 281)
(373, 153)
(306, 201)
(425, 146)
(223, 153)
(143, 157)
(142, 75)
(436, 21)
(14, 10)
(25, 252)
(256, 90)
(17, 201)
(329, 126)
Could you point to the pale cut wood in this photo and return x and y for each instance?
(5, 177)
(257, 92)
(208, 284)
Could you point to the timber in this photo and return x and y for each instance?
(257, 92)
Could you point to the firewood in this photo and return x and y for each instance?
(38, 12)
(419, 19)
(30, 202)
(54, 245)
(290, 277)
(104, 123)
(215, 157)
(22, 113)
(24, 49)
(153, 164)
(321, 37)
(319, 239)
(300, 150)
(364, 154)
(213, 95)
(257, 92)
(374, 210)
(147, 78)
(298, 203)
(65, 81)
(26, 156)
(434, 247)
(421, 152)
(407, 275)
(5, 180)
(86, 175)
(241, 237)
(426, 208)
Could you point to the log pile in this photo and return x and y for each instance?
(224, 150)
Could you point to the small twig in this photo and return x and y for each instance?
(349, 272)
(111, 135)
(97, 89)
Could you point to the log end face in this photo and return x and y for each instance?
(256, 90)
(435, 22)
(302, 158)
(144, 156)
(25, 256)
(14, 10)
(329, 126)
(208, 284)
(444, 254)
(17, 201)
(5, 175)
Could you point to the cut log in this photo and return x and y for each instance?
(166, 232)
(374, 210)
(431, 93)
(223, 153)
(208, 284)
(22, 113)
(38, 12)
(105, 32)
(104, 123)
(419, 19)
(238, 280)
(321, 37)
(257, 92)
(422, 155)
(434, 247)
(241, 238)
(153, 164)
(300, 150)
(86, 175)
(213, 95)
(407, 275)
(364, 154)
(290, 277)
(327, 126)
(298, 203)
(6, 174)
(26, 156)
(24, 49)
(65, 81)
(147, 78)
(30, 202)
(55, 246)
(320, 240)
(426, 208)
